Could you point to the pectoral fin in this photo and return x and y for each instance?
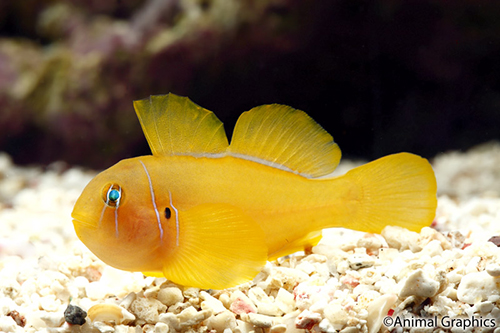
(174, 125)
(219, 247)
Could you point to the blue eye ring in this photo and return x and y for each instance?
(112, 195)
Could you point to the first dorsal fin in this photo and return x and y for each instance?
(286, 138)
(174, 125)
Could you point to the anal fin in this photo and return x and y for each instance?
(309, 240)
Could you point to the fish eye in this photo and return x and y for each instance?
(112, 195)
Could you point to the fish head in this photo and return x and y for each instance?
(115, 219)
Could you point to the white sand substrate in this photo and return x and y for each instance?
(445, 278)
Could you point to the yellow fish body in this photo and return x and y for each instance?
(209, 214)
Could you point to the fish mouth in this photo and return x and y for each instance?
(78, 220)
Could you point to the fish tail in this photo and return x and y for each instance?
(398, 190)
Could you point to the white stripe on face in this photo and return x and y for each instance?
(176, 219)
(154, 202)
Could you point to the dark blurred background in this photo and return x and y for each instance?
(380, 76)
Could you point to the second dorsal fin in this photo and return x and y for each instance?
(285, 138)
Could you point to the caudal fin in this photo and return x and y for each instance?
(398, 190)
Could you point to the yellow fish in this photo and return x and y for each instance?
(209, 214)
